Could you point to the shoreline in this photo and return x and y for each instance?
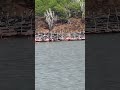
(56, 37)
(103, 32)
(17, 37)
(33, 37)
(59, 41)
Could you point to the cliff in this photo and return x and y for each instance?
(103, 6)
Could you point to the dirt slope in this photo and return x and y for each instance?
(75, 25)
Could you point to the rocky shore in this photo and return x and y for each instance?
(74, 30)
(46, 37)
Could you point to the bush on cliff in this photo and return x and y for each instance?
(64, 9)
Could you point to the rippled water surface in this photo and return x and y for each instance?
(60, 66)
(17, 64)
(102, 61)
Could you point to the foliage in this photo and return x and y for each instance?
(64, 9)
(50, 18)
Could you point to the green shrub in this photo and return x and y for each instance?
(63, 8)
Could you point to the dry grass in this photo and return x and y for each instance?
(75, 26)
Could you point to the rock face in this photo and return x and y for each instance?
(102, 16)
(16, 17)
(101, 5)
(14, 6)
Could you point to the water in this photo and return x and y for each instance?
(102, 58)
(60, 66)
(17, 64)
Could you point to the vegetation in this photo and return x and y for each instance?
(64, 9)
(50, 18)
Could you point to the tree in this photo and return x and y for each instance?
(64, 9)
(51, 18)
(82, 7)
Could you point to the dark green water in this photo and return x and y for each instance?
(102, 61)
(17, 64)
